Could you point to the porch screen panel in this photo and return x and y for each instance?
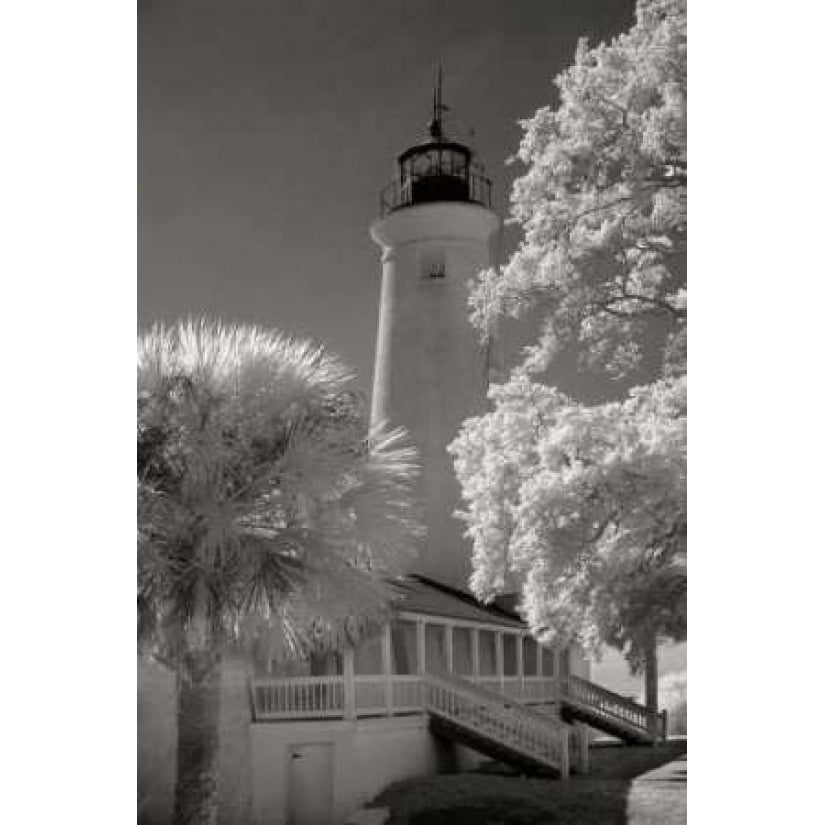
(436, 648)
(463, 651)
(290, 667)
(326, 664)
(487, 653)
(404, 648)
(368, 657)
(530, 657)
(508, 649)
(548, 662)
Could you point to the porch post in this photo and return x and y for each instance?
(558, 657)
(448, 646)
(499, 662)
(349, 682)
(520, 662)
(420, 648)
(474, 652)
(386, 660)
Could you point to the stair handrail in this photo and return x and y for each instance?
(514, 726)
(498, 698)
(575, 688)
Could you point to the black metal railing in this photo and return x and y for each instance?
(416, 189)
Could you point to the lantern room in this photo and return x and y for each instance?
(436, 169)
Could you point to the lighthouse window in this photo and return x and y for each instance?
(433, 264)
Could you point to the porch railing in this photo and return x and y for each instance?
(307, 697)
(323, 697)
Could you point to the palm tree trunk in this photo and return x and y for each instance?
(196, 786)
(199, 693)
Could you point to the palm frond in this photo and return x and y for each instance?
(260, 486)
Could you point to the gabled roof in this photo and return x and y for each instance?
(418, 594)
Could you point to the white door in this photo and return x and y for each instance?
(310, 784)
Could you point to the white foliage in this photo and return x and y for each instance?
(585, 506)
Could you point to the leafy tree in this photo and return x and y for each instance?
(584, 506)
(265, 515)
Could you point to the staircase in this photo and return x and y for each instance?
(496, 726)
(583, 701)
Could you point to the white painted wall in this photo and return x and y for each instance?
(157, 735)
(369, 755)
(430, 370)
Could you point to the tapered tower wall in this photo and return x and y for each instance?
(431, 372)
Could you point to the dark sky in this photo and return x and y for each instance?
(267, 129)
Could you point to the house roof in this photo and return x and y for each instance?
(418, 594)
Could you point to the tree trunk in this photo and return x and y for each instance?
(652, 680)
(196, 786)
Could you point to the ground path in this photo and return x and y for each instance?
(659, 797)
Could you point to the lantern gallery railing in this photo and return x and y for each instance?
(323, 697)
(469, 187)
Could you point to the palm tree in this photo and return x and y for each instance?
(265, 513)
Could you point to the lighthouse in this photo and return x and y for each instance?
(436, 230)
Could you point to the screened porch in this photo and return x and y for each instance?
(384, 674)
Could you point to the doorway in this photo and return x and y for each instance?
(310, 784)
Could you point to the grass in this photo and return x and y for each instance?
(608, 795)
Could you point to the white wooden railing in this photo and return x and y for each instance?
(487, 714)
(323, 697)
(611, 706)
(306, 697)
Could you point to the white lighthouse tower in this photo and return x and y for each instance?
(436, 231)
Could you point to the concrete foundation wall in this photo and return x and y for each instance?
(368, 755)
(156, 743)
